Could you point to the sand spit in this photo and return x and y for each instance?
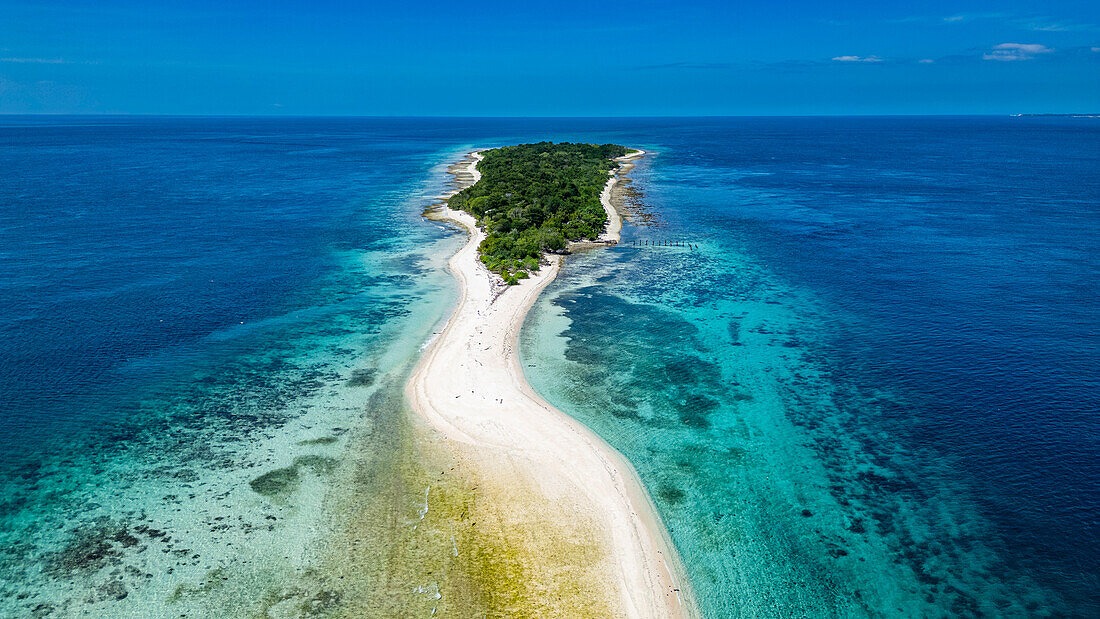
(573, 502)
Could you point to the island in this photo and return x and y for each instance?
(533, 198)
(580, 525)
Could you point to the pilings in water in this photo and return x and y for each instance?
(663, 243)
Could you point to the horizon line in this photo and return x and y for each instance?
(533, 117)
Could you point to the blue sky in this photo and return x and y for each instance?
(565, 58)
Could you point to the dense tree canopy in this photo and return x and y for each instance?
(534, 198)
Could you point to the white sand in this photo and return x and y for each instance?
(614, 221)
(470, 387)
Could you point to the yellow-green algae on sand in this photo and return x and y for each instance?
(439, 538)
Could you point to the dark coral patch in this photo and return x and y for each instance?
(276, 483)
(362, 378)
(670, 494)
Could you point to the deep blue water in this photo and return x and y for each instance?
(871, 389)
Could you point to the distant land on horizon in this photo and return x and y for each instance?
(1079, 115)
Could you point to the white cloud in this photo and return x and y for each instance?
(1027, 48)
(964, 18)
(1096, 49)
(36, 60)
(1045, 25)
(1022, 22)
(1016, 51)
(926, 61)
(857, 59)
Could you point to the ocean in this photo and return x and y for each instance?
(854, 360)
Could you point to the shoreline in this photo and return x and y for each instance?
(613, 232)
(469, 386)
(614, 219)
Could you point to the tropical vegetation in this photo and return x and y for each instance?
(535, 198)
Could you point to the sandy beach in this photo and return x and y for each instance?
(546, 473)
(614, 221)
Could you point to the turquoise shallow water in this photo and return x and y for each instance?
(869, 390)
